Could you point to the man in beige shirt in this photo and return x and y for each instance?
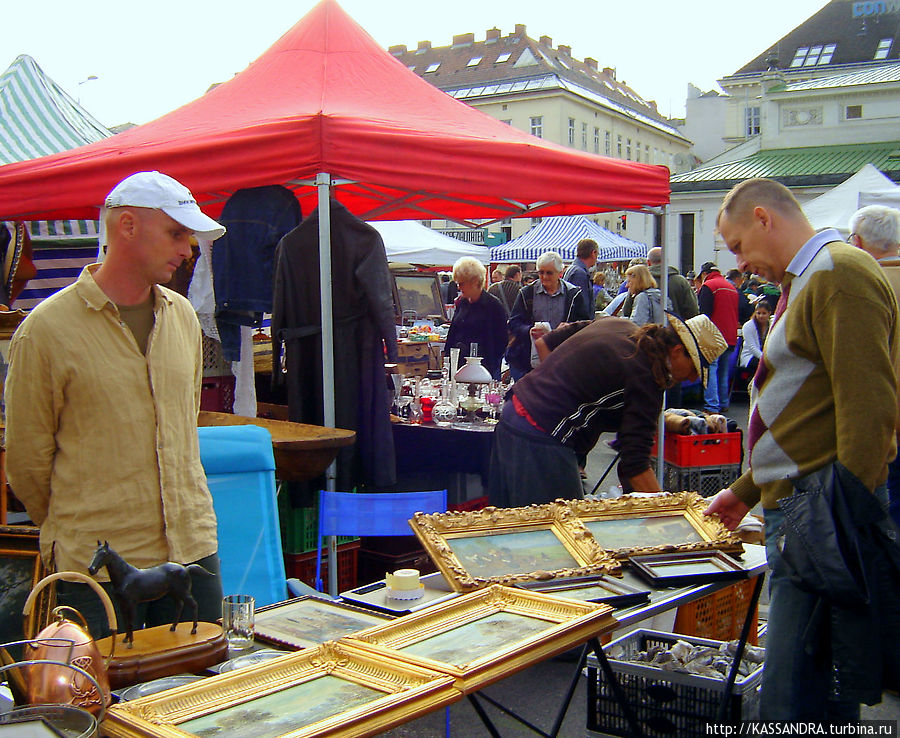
(102, 399)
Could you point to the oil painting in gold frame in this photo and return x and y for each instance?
(473, 549)
(335, 689)
(636, 525)
(487, 635)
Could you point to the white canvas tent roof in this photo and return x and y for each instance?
(561, 234)
(409, 242)
(867, 187)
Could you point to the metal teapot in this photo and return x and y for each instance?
(67, 641)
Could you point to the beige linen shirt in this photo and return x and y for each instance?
(101, 440)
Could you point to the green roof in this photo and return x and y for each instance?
(794, 167)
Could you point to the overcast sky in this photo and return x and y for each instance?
(150, 62)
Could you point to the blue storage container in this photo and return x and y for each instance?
(240, 471)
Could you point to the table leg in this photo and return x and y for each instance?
(573, 685)
(739, 652)
(620, 695)
(483, 716)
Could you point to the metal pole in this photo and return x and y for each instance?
(664, 288)
(323, 185)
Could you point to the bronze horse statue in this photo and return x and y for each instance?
(132, 585)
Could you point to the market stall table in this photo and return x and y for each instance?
(433, 457)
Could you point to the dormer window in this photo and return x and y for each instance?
(474, 61)
(812, 56)
(503, 58)
(432, 67)
(884, 48)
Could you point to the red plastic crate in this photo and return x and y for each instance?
(303, 566)
(217, 394)
(478, 503)
(712, 449)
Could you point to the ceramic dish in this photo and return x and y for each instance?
(248, 659)
(157, 685)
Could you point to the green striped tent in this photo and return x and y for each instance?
(37, 118)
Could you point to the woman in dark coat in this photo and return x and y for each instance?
(479, 317)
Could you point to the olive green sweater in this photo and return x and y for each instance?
(830, 391)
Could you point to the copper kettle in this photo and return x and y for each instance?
(67, 641)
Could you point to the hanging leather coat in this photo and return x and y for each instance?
(363, 316)
(840, 545)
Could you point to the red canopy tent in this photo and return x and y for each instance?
(326, 98)
(326, 106)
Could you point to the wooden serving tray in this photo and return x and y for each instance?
(302, 451)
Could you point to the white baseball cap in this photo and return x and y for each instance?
(160, 192)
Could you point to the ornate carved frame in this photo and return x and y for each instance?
(569, 623)
(436, 532)
(688, 504)
(408, 692)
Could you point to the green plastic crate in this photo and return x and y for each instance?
(299, 527)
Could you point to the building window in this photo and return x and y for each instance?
(536, 221)
(884, 48)
(474, 61)
(628, 149)
(432, 67)
(537, 126)
(608, 143)
(503, 58)
(647, 154)
(571, 131)
(854, 112)
(811, 56)
(508, 121)
(637, 151)
(584, 136)
(596, 140)
(751, 120)
(619, 146)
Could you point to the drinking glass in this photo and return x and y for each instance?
(238, 620)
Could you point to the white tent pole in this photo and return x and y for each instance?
(323, 185)
(664, 288)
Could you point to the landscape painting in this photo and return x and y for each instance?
(309, 621)
(516, 552)
(477, 639)
(646, 531)
(276, 714)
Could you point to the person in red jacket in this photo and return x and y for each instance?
(718, 298)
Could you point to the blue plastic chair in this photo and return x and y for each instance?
(371, 514)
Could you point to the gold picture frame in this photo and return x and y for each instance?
(21, 568)
(335, 689)
(475, 548)
(635, 525)
(486, 635)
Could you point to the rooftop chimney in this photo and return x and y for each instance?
(424, 45)
(610, 72)
(592, 63)
(567, 50)
(546, 41)
(520, 29)
(464, 39)
(492, 34)
(397, 50)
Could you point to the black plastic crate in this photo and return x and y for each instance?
(705, 480)
(665, 703)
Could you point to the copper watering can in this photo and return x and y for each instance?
(69, 642)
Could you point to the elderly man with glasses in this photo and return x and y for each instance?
(552, 300)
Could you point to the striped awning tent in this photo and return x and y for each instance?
(562, 234)
(37, 118)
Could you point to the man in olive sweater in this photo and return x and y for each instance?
(825, 391)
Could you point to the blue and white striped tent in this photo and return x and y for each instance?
(40, 118)
(561, 234)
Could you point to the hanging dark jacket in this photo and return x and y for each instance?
(363, 317)
(255, 219)
(840, 544)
